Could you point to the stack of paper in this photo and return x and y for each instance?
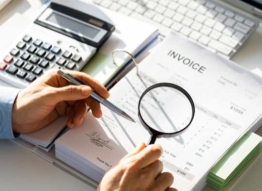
(44, 138)
(81, 148)
(234, 161)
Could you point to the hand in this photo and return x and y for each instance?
(138, 171)
(51, 96)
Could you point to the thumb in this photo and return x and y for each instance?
(139, 148)
(71, 93)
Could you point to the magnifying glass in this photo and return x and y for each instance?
(165, 110)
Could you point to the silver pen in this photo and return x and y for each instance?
(95, 96)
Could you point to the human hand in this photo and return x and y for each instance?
(138, 171)
(51, 96)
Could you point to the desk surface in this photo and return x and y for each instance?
(23, 170)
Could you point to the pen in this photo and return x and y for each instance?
(95, 96)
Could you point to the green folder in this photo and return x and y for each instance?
(235, 160)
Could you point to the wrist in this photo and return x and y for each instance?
(15, 114)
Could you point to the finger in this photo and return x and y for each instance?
(163, 181)
(98, 87)
(154, 169)
(171, 189)
(148, 155)
(53, 79)
(96, 108)
(61, 108)
(70, 120)
(80, 109)
(69, 93)
(139, 148)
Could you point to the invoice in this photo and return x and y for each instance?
(226, 98)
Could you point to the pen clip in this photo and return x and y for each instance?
(64, 75)
(72, 79)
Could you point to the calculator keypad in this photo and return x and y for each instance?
(30, 58)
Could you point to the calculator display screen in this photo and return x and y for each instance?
(255, 3)
(73, 25)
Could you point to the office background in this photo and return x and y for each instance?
(23, 170)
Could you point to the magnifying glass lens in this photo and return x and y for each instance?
(166, 109)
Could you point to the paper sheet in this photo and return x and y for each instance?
(226, 98)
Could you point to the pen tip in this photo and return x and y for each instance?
(128, 117)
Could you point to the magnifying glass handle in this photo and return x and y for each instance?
(152, 140)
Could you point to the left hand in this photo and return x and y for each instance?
(140, 170)
(51, 96)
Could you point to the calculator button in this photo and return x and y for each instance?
(67, 54)
(41, 53)
(56, 50)
(19, 63)
(56, 67)
(38, 71)
(44, 63)
(21, 45)
(61, 61)
(76, 58)
(46, 46)
(34, 60)
(27, 38)
(8, 59)
(30, 78)
(14, 52)
(70, 65)
(25, 56)
(2, 65)
(28, 67)
(31, 49)
(50, 57)
(38, 42)
(21, 74)
(11, 70)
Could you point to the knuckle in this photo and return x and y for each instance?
(130, 166)
(154, 189)
(70, 89)
(157, 149)
(51, 73)
(144, 178)
(168, 177)
(48, 92)
(159, 164)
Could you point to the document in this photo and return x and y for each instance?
(226, 98)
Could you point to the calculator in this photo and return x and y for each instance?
(66, 35)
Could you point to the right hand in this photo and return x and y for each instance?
(50, 97)
(140, 170)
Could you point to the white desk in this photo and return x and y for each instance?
(23, 170)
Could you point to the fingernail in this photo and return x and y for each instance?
(142, 145)
(81, 120)
(70, 125)
(161, 149)
(86, 90)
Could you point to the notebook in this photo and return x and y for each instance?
(225, 96)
